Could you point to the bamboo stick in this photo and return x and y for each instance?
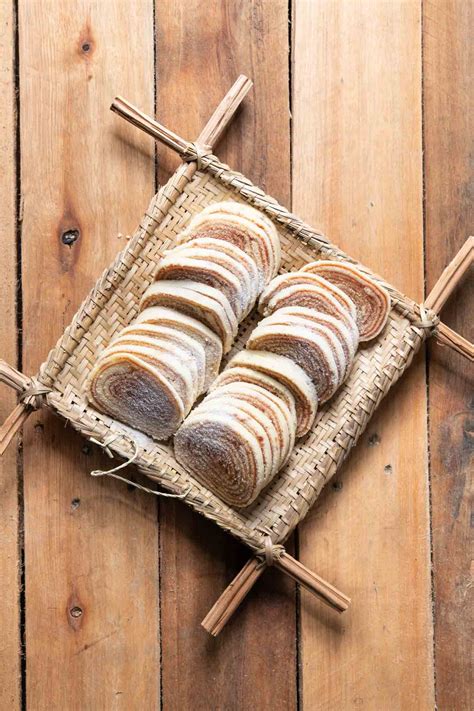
(237, 590)
(441, 292)
(138, 118)
(16, 380)
(12, 377)
(451, 276)
(447, 337)
(224, 112)
(211, 132)
(313, 583)
(12, 424)
(225, 606)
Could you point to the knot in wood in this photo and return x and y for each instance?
(68, 237)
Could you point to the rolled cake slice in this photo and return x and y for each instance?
(310, 296)
(162, 316)
(253, 418)
(347, 331)
(289, 374)
(230, 207)
(261, 244)
(332, 339)
(227, 255)
(281, 428)
(242, 374)
(306, 348)
(190, 358)
(131, 390)
(185, 347)
(256, 216)
(223, 454)
(178, 267)
(372, 300)
(206, 304)
(241, 235)
(302, 278)
(272, 423)
(280, 395)
(223, 260)
(166, 359)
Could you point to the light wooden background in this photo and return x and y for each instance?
(361, 119)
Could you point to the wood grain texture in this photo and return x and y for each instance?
(91, 546)
(10, 694)
(94, 553)
(357, 174)
(201, 49)
(449, 187)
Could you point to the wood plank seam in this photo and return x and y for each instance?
(296, 536)
(159, 502)
(10, 479)
(426, 359)
(19, 324)
(19, 347)
(449, 216)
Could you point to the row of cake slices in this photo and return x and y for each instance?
(242, 433)
(153, 371)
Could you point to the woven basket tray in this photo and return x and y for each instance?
(113, 303)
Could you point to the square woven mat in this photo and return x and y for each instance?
(113, 304)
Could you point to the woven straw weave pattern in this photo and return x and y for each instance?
(113, 304)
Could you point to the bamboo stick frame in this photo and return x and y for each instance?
(195, 154)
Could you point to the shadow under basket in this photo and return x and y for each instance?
(113, 303)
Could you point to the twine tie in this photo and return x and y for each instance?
(113, 472)
(196, 152)
(270, 552)
(428, 319)
(34, 394)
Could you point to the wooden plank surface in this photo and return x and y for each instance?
(10, 562)
(202, 47)
(449, 185)
(357, 174)
(91, 546)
